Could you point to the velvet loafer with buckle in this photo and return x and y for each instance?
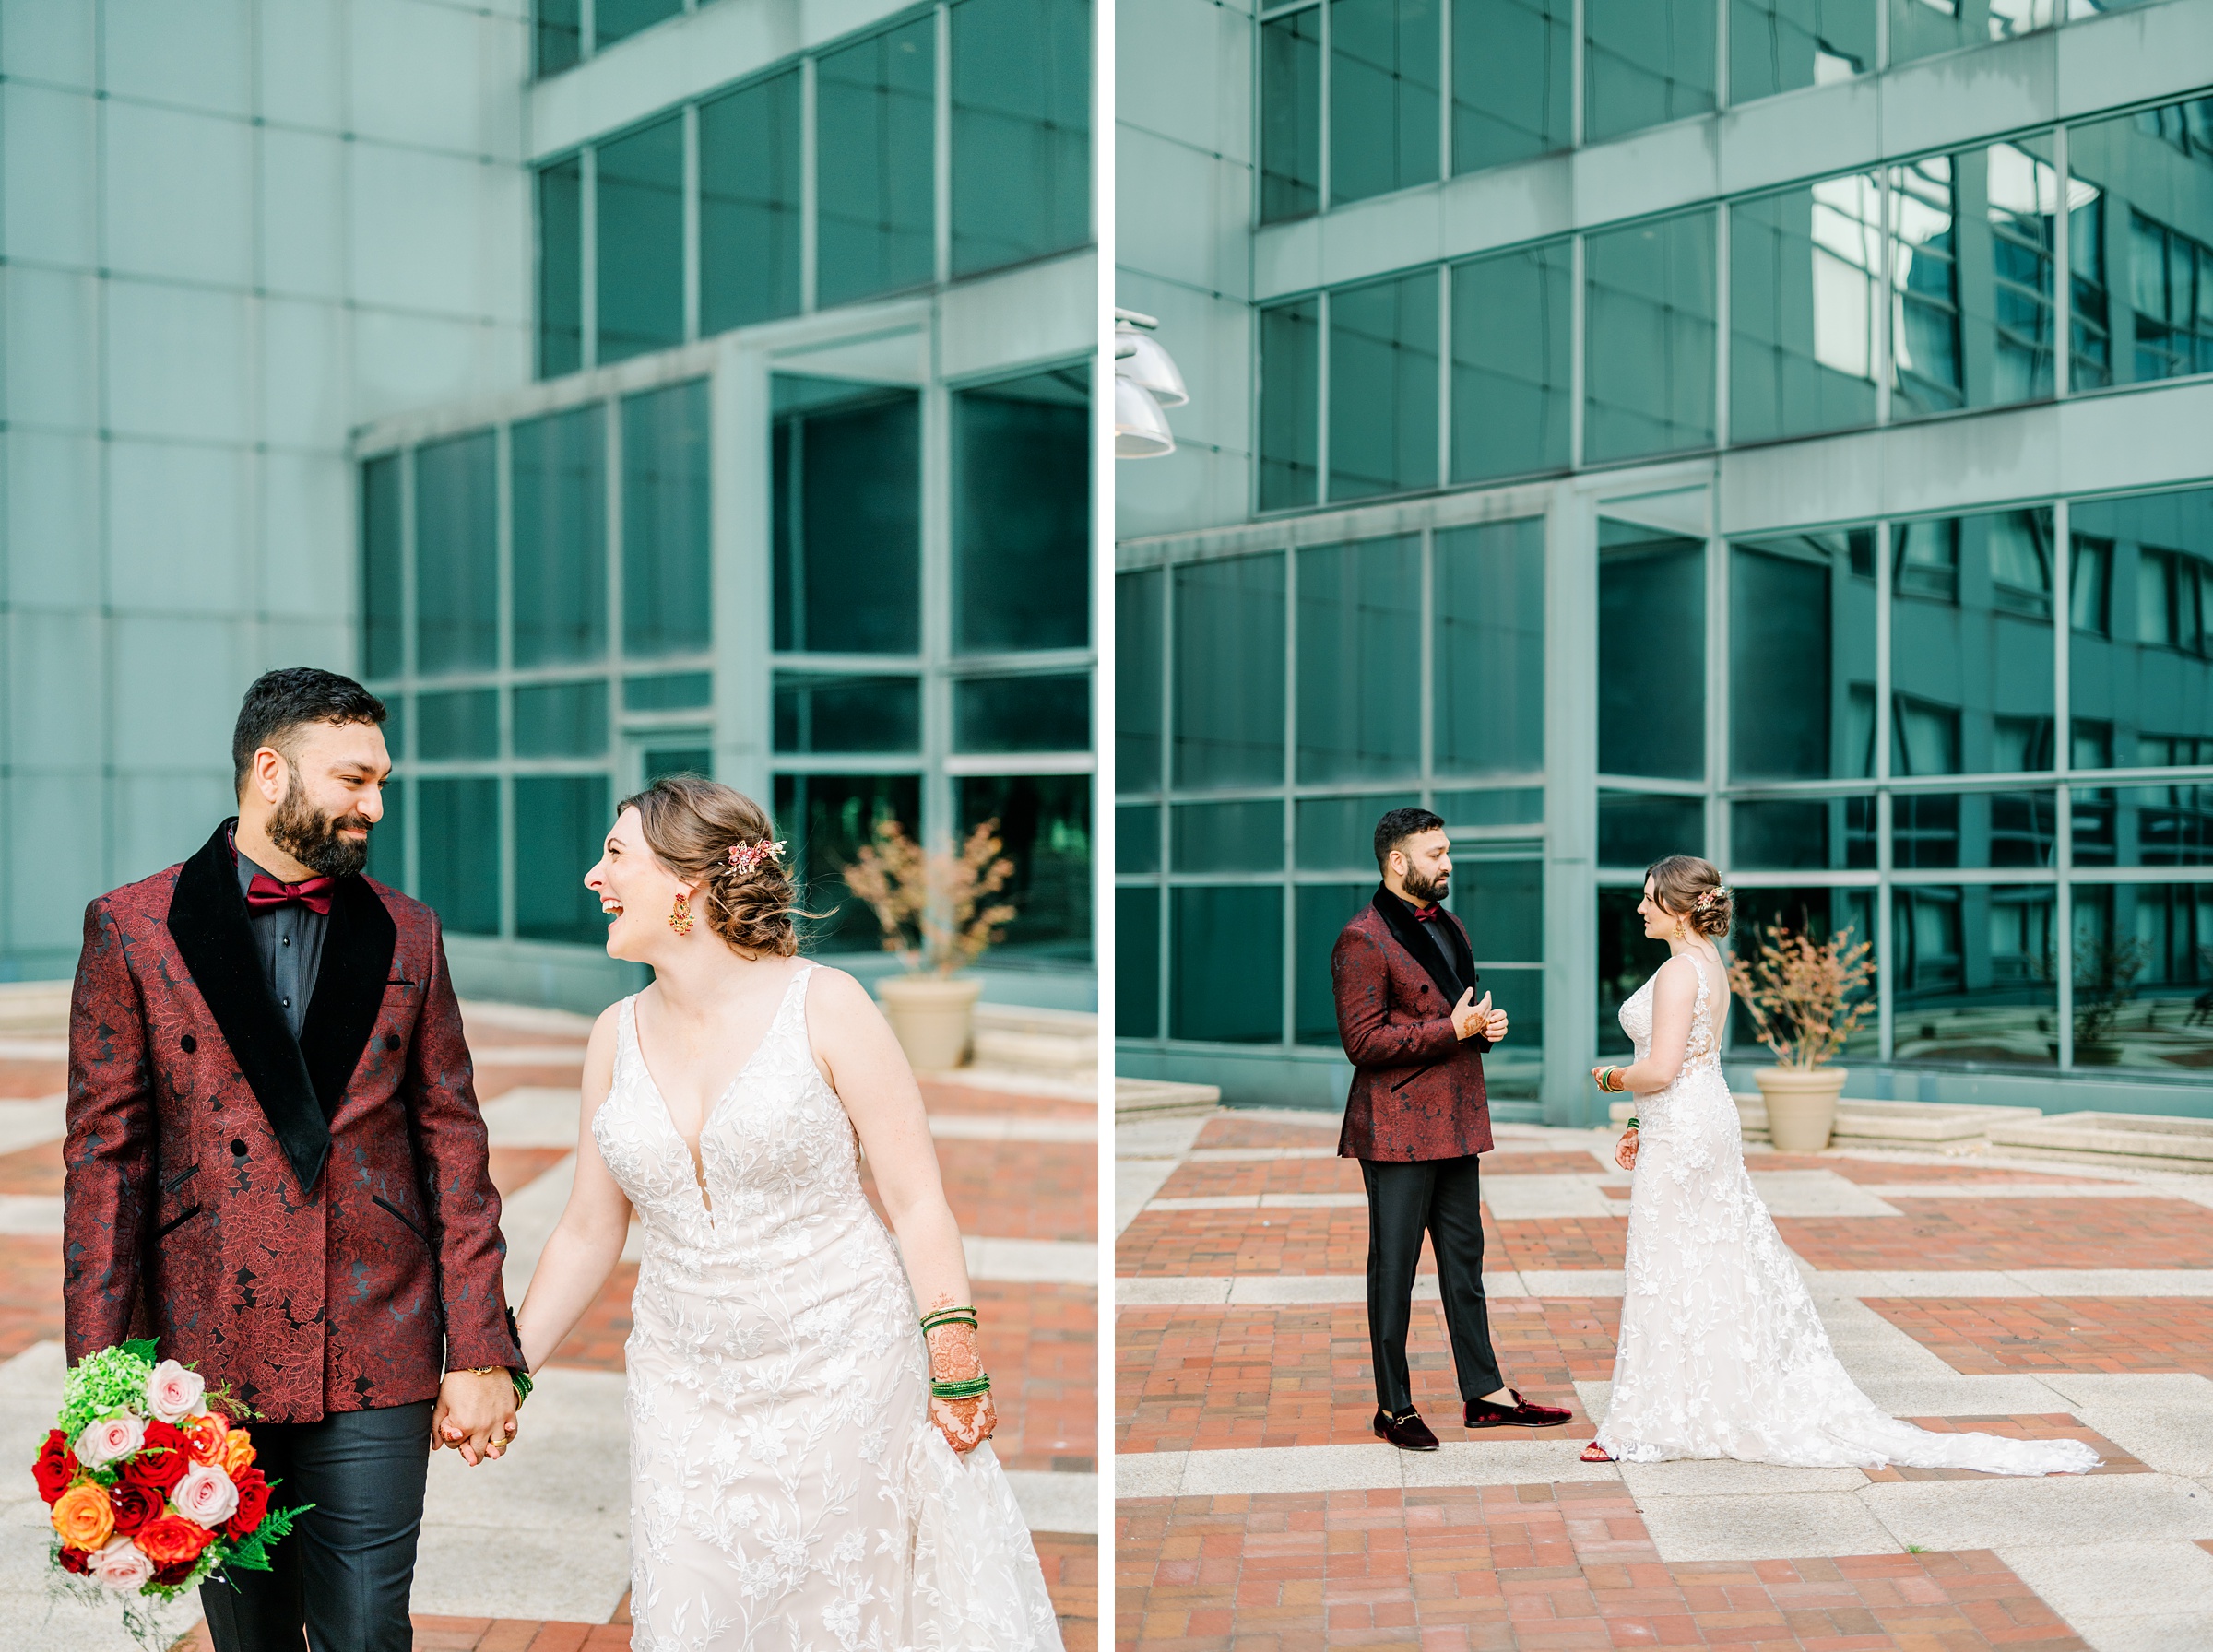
(1406, 1430)
(1482, 1414)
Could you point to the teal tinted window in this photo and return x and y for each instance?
(1651, 347)
(1338, 834)
(1136, 838)
(1022, 714)
(1981, 830)
(388, 837)
(1359, 679)
(1511, 386)
(1626, 960)
(2141, 955)
(1805, 306)
(1229, 672)
(1817, 834)
(382, 617)
(827, 818)
(1502, 902)
(559, 821)
(875, 135)
(1636, 828)
(2141, 246)
(666, 502)
(1652, 702)
(560, 513)
(1020, 130)
(560, 268)
(558, 35)
(822, 712)
(2144, 826)
(457, 556)
(1383, 96)
(1043, 825)
(462, 725)
(1646, 62)
(1923, 28)
(1227, 971)
(1022, 514)
(847, 522)
(561, 719)
(1137, 962)
(1503, 805)
(1290, 404)
(2146, 676)
(658, 760)
(1802, 657)
(639, 241)
(1489, 704)
(679, 691)
(615, 20)
(1243, 836)
(1971, 643)
(1139, 643)
(1322, 912)
(457, 852)
(1383, 387)
(748, 205)
(1291, 115)
(1970, 973)
(1781, 45)
(1511, 62)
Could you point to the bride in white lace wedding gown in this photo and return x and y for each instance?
(1720, 1353)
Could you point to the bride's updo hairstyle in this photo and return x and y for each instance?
(1692, 890)
(691, 824)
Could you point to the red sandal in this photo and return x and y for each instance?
(1595, 1452)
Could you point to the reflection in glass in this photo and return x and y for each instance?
(1931, 829)
(827, 817)
(457, 851)
(1780, 45)
(1923, 28)
(1645, 62)
(1502, 903)
(1383, 387)
(875, 124)
(2144, 826)
(1635, 829)
(2141, 244)
(1322, 911)
(2144, 975)
(561, 719)
(1336, 834)
(1819, 913)
(388, 838)
(1359, 661)
(1511, 381)
(1489, 596)
(614, 21)
(1805, 274)
(464, 724)
(1650, 293)
(1245, 836)
(558, 822)
(1137, 962)
(1511, 61)
(1924, 278)
(639, 241)
(1802, 834)
(1022, 514)
(1020, 130)
(560, 511)
(1972, 975)
(665, 521)
(1138, 647)
(1229, 672)
(384, 619)
(1022, 714)
(560, 268)
(457, 556)
(1045, 828)
(1290, 400)
(2150, 682)
(1493, 805)
(1802, 657)
(1971, 644)
(1626, 960)
(1226, 969)
(1383, 96)
(822, 712)
(1291, 115)
(847, 517)
(657, 761)
(677, 690)
(1652, 699)
(750, 205)
(558, 35)
(1136, 838)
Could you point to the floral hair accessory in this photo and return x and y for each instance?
(1719, 892)
(746, 857)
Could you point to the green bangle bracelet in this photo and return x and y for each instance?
(969, 1389)
(1631, 1125)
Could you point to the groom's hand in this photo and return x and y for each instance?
(1469, 1018)
(475, 1414)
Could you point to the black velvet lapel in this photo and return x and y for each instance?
(1411, 933)
(349, 989)
(208, 921)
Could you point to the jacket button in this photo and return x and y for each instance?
(238, 1148)
(391, 1041)
(188, 1044)
(1424, 986)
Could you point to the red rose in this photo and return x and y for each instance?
(75, 1560)
(252, 1504)
(172, 1538)
(56, 1466)
(132, 1504)
(164, 1459)
(171, 1576)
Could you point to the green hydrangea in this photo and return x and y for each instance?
(101, 1383)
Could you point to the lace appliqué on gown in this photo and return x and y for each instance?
(787, 1489)
(1721, 1354)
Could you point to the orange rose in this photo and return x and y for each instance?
(238, 1451)
(204, 1436)
(82, 1515)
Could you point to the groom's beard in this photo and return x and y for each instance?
(1423, 891)
(311, 837)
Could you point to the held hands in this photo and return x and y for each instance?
(1471, 1018)
(475, 1414)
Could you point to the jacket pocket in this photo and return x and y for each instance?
(177, 1222)
(1416, 1073)
(400, 1216)
(179, 1180)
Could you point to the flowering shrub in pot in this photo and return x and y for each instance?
(1805, 998)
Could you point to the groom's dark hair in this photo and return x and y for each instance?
(282, 699)
(1399, 825)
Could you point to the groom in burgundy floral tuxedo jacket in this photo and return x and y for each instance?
(276, 1167)
(1405, 977)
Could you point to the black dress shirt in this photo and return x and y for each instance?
(290, 939)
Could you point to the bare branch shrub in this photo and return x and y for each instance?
(934, 908)
(1805, 998)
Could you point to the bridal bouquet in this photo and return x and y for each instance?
(150, 1482)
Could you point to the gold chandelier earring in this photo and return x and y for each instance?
(680, 919)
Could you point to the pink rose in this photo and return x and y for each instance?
(121, 1565)
(207, 1496)
(174, 1392)
(110, 1437)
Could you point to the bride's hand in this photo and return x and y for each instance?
(1624, 1155)
(956, 1357)
(965, 1423)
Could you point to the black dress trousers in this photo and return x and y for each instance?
(345, 1574)
(1442, 1198)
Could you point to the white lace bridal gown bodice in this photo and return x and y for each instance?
(1721, 1354)
(787, 1490)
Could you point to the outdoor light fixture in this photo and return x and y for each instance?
(1145, 379)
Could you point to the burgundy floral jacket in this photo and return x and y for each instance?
(311, 1222)
(1417, 1088)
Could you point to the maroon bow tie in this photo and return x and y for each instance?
(265, 893)
(1429, 913)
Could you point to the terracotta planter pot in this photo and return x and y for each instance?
(932, 1016)
(1801, 1105)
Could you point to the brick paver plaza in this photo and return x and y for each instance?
(1256, 1510)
